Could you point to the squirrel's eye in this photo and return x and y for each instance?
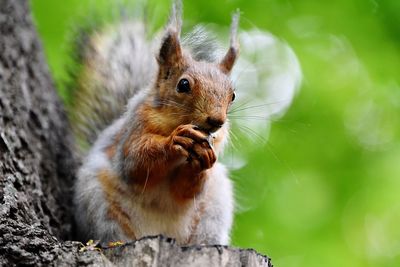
(183, 86)
(233, 96)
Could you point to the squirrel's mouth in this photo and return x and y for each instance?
(212, 130)
(210, 135)
(209, 130)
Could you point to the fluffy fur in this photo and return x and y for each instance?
(154, 169)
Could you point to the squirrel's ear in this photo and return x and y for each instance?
(170, 51)
(230, 57)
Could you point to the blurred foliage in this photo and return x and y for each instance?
(325, 189)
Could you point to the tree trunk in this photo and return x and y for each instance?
(37, 164)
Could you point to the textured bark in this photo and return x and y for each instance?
(35, 146)
(37, 164)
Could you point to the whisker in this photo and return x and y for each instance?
(242, 71)
(145, 182)
(173, 103)
(180, 114)
(284, 163)
(240, 105)
(246, 132)
(254, 117)
(262, 139)
(256, 106)
(175, 106)
(234, 136)
(233, 146)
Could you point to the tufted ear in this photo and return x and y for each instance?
(230, 57)
(171, 52)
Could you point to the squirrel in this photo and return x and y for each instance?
(154, 169)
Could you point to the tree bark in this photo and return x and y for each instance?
(37, 166)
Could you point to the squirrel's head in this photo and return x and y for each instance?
(192, 91)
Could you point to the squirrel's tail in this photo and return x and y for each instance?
(115, 64)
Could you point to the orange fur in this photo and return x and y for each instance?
(112, 149)
(185, 185)
(157, 164)
(111, 189)
(119, 216)
(151, 169)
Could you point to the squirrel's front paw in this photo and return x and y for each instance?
(192, 144)
(202, 156)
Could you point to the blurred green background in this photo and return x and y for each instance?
(325, 189)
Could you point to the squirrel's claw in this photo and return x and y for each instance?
(194, 144)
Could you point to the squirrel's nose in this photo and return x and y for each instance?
(215, 123)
